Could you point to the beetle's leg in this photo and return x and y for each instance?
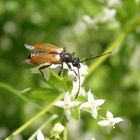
(69, 66)
(43, 67)
(61, 70)
(78, 76)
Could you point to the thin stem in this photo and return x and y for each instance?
(66, 133)
(32, 120)
(114, 44)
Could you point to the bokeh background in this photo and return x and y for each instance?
(87, 27)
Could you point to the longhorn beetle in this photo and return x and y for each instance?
(42, 53)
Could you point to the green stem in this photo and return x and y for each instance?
(66, 133)
(37, 116)
(114, 44)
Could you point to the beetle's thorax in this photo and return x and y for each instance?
(70, 58)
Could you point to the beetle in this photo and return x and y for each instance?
(42, 53)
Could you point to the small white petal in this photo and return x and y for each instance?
(58, 128)
(67, 98)
(117, 120)
(82, 92)
(93, 138)
(82, 78)
(90, 97)
(59, 104)
(85, 105)
(94, 113)
(109, 115)
(65, 66)
(103, 123)
(83, 69)
(40, 135)
(99, 102)
(74, 89)
(71, 75)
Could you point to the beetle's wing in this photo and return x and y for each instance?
(43, 58)
(47, 48)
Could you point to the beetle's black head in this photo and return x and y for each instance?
(70, 58)
(76, 62)
(66, 57)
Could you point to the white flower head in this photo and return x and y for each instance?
(40, 135)
(114, 3)
(92, 104)
(58, 128)
(67, 104)
(108, 15)
(80, 28)
(110, 121)
(93, 138)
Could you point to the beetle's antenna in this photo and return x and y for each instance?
(100, 55)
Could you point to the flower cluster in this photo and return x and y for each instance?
(90, 104)
(86, 100)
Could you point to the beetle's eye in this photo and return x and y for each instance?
(76, 62)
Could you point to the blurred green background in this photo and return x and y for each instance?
(87, 27)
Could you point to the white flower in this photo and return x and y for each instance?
(58, 128)
(87, 19)
(108, 15)
(67, 104)
(80, 28)
(114, 3)
(92, 138)
(40, 135)
(92, 105)
(110, 121)
(71, 75)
